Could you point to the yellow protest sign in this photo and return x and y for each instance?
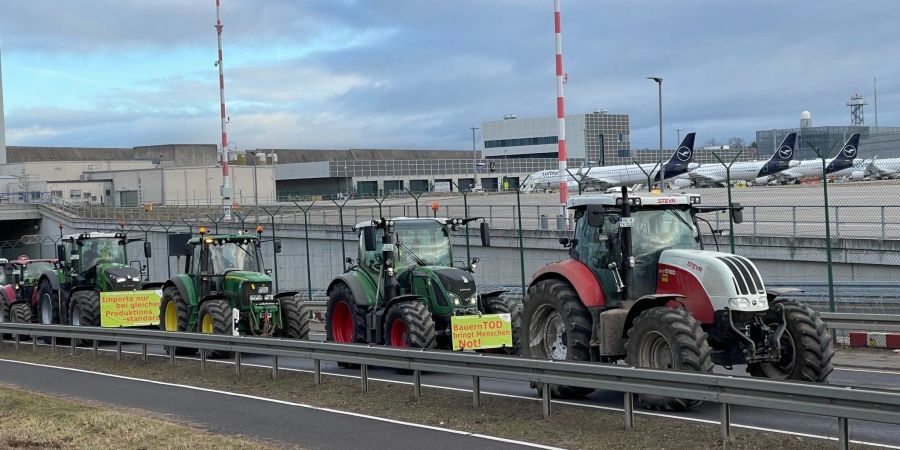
(129, 309)
(481, 332)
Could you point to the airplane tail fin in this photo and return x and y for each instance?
(680, 161)
(850, 150)
(785, 151)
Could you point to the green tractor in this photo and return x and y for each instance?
(407, 293)
(92, 265)
(225, 290)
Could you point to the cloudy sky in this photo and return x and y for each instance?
(419, 73)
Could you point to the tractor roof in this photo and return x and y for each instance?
(226, 237)
(613, 199)
(29, 261)
(438, 220)
(94, 235)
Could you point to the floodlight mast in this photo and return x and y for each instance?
(226, 189)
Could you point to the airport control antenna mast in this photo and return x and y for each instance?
(560, 112)
(226, 182)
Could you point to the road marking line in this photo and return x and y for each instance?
(287, 403)
(522, 397)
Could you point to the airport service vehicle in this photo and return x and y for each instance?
(18, 282)
(813, 167)
(92, 266)
(226, 290)
(610, 176)
(638, 286)
(407, 292)
(716, 175)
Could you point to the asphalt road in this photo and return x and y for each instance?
(228, 413)
(866, 432)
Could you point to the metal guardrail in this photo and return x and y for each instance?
(842, 402)
(862, 322)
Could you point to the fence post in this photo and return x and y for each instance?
(837, 221)
(882, 223)
(274, 255)
(521, 241)
(730, 203)
(831, 306)
(306, 238)
(754, 221)
(794, 216)
(340, 207)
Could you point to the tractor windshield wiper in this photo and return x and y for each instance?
(678, 216)
(412, 254)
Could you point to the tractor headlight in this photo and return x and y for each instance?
(120, 280)
(256, 298)
(738, 303)
(390, 271)
(269, 297)
(263, 289)
(455, 299)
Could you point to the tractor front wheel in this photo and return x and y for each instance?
(174, 313)
(20, 313)
(345, 321)
(668, 338)
(294, 318)
(557, 326)
(409, 324)
(806, 346)
(216, 317)
(48, 306)
(84, 310)
(501, 304)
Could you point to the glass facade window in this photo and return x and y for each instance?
(521, 141)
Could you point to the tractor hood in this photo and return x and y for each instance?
(242, 275)
(457, 282)
(246, 283)
(730, 281)
(120, 277)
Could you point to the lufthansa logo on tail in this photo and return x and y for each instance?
(785, 152)
(683, 153)
(850, 151)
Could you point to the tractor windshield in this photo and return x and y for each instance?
(234, 255)
(99, 250)
(427, 240)
(655, 230)
(33, 270)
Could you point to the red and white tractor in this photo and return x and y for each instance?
(639, 287)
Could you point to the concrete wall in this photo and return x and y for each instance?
(68, 170)
(179, 155)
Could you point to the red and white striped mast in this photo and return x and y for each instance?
(561, 112)
(226, 175)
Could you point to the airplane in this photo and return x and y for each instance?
(813, 167)
(612, 176)
(883, 169)
(715, 174)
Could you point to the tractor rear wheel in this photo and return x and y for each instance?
(4, 315)
(668, 338)
(216, 317)
(84, 310)
(48, 306)
(409, 324)
(557, 326)
(174, 313)
(501, 304)
(806, 346)
(294, 318)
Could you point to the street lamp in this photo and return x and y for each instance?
(474, 159)
(662, 156)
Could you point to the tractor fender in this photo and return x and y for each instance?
(644, 303)
(357, 284)
(51, 276)
(773, 293)
(8, 294)
(286, 294)
(579, 276)
(492, 293)
(62, 298)
(186, 294)
(152, 285)
(82, 288)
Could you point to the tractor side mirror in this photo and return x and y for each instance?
(188, 249)
(269, 272)
(276, 245)
(595, 215)
(60, 253)
(148, 249)
(368, 235)
(485, 234)
(737, 213)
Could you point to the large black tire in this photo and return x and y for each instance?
(20, 313)
(557, 326)
(340, 309)
(84, 311)
(178, 321)
(806, 346)
(501, 304)
(4, 315)
(48, 306)
(409, 324)
(668, 338)
(216, 317)
(295, 318)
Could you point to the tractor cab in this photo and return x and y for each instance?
(24, 274)
(101, 259)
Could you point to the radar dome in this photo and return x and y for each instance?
(805, 115)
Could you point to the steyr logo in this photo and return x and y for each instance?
(850, 151)
(683, 153)
(785, 152)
